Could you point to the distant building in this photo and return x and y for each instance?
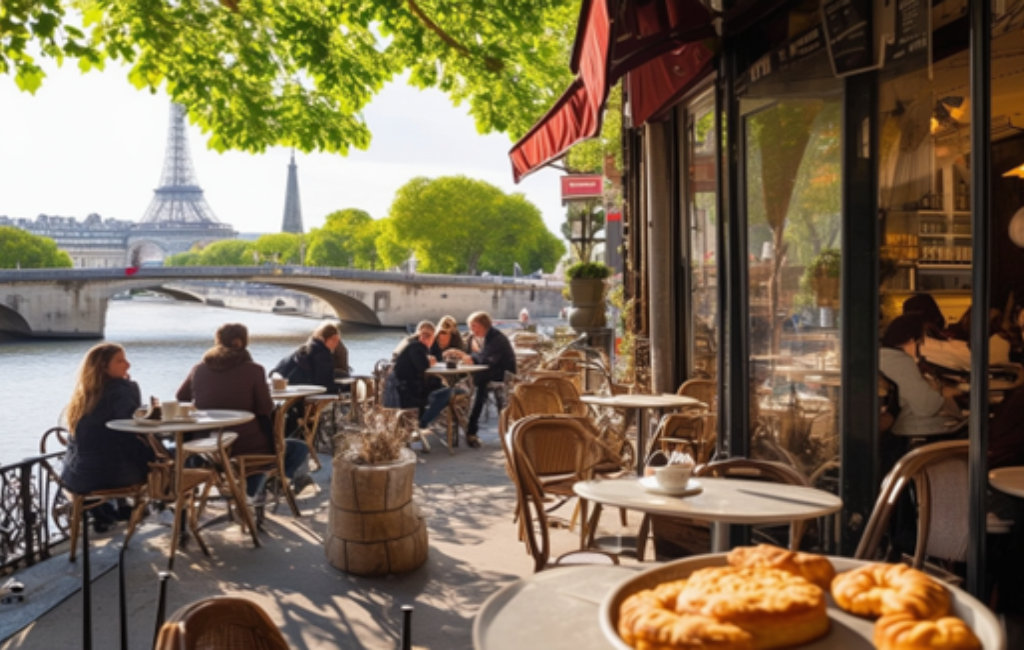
(292, 207)
(92, 243)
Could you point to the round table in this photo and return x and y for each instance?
(449, 376)
(722, 501)
(1009, 480)
(202, 420)
(641, 403)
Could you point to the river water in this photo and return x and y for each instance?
(163, 340)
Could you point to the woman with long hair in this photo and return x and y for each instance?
(99, 458)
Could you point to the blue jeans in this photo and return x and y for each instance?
(296, 452)
(436, 402)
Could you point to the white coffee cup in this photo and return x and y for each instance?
(186, 409)
(171, 409)
(673, 476)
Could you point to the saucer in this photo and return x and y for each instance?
(651, 484)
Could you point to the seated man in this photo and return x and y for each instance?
(408, 379)
(491, 348)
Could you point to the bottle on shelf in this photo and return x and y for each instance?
(962, 200)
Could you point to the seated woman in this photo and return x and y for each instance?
(228, 378)
(936, 347)
(99, 458)
(925, 408)
(408, 379)
(447, 338)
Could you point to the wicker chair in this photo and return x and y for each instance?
(939, 474)
(550, 454)
(220, 623)
(56, 440)
(685, 431)
(567, 392)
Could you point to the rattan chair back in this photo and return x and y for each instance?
(567, 392)
(550, 454)
(536, 399)
(704, 390)
(54, 441)
(220, 623)
(939, 473)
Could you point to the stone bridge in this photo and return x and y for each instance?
(72, 303)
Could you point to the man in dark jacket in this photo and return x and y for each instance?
(313, 362)
(491, 348)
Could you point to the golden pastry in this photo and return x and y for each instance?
(816, 569)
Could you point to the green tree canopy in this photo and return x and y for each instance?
(456, 224)
(22, 249)
(228, 252)
(279, 248)
(347, 239)
(255, 73)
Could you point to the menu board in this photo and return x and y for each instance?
(849, 35)
(910, 30)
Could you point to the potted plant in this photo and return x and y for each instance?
(374, 527)
(587, 288)
(822, 277)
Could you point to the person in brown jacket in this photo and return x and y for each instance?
(228, 378)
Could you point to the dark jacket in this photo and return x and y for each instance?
(99, 458)
(497, 354)
(410, 366)
(229, 379)
(312, 363)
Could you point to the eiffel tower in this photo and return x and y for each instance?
(292, 208)
(178, 218)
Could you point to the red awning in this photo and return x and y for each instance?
(657, 85)
(605, 49)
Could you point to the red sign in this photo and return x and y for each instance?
(581, 186)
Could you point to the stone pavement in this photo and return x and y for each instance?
(466, 498)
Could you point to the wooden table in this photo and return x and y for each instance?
(723, 501)
(186, 480)
(285, 398)
(450, 376)
(641, 404)
(1009, 480)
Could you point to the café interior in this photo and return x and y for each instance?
(794, 171)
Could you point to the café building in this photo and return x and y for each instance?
(793, 171)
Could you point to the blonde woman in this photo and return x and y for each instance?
(447, 338)
(100, 458)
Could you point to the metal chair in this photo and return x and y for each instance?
(220, 623)
(55, 440)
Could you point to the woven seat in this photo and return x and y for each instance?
(55, 440)
(220, 623)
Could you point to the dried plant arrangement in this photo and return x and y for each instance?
(380, 440)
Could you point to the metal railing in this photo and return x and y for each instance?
(34, 513)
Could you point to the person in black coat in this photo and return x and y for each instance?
(313, 362)
(491, 348)
(99, 458)
(409, 382)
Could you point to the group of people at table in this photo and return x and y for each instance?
(227, 377)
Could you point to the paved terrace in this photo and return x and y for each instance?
(467, 500)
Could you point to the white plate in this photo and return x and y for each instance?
(848, 632)
(650, 483)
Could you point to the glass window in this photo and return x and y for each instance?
(793, 201)
(702, 187)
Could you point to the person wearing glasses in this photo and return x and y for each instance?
(407, 386)
(447, 338)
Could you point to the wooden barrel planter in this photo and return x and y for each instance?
(374, 527)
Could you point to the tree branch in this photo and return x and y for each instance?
(491, 63)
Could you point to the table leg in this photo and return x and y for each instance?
(719, 537)
(641, 439)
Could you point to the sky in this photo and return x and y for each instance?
(92, 143)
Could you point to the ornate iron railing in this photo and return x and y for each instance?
(34, 513)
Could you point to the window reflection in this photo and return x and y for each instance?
(793, 196)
